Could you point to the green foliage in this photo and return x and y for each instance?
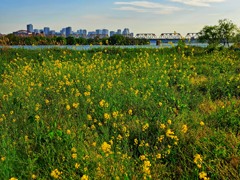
(221, 33)
(114, 113)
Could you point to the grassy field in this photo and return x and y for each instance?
(119, 114)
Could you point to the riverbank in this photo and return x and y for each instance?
(119, 113)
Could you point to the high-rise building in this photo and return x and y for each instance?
(36, 31)
(99, 32)
(112, 33)
(105, 32)
(46, 31)
(63, 32)
(119, 31)
(30, 28)
(126, 32)
(84, 32)
(68, 31)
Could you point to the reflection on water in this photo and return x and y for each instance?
(87, 47)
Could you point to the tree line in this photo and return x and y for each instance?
(224, 32)
(12, 39)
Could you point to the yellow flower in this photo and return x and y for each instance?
(135, 141)
(184, 128)
(89, 117)
(203, 175)
(158, 156)
(34, 176)
(101, 103)
(75, 105)
(74, 150)
(47, 101)
(160, 104)
(68, 107)
(202, 123)
(169, 121)
(74, 155)
(162, 126)
(77, 165)
(68, 132)
(142, 157)
(130, 112)
(3, 158)
(37, 117)
(56, 173)
(198, 160)
(106, 147)
(145, 127)
(115, 114)
(84, 177)
(169, 133)
(106, 116)
(13, 178)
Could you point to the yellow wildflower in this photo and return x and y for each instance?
(68, 132)
(130, 112)
(202, 123)
(56, 173)
(75, 105)
(84, 177)
(74, 150)
(89, 117)
(74, 155)
(68, 107)
(203, 175)
(169, 121)
(3, 158)
(162, 126)
(184, 128)
(106, 147)
(34, 176)
(169, 133)
(198, 160)
(13, 178)
(77, 165)
(37, 117)
(106, 116)
(47, 101)
(145, 127)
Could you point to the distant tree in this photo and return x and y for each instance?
(210, 35)
(117, 40)
(61, 40)
(227, 30)
(71, 40)
(221, 33)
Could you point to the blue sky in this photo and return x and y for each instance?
(148, 16)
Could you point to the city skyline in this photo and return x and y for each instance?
(152, 16)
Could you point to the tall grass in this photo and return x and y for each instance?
(119, 114)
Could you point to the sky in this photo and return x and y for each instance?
(140, 16)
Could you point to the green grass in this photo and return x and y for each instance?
(119, 114)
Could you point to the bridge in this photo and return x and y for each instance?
(168, 37)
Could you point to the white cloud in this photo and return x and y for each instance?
(146, 7)
(200, 3)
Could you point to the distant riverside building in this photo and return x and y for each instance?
(112, 33)
(99, 32)
(46, 31)
(63, 32)
(105, 32)
(22, 33)
(68, 31)
(36, 31)
(126, 32)
(91, 34)
(30, 28)
(52, 33)
(119, 31)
